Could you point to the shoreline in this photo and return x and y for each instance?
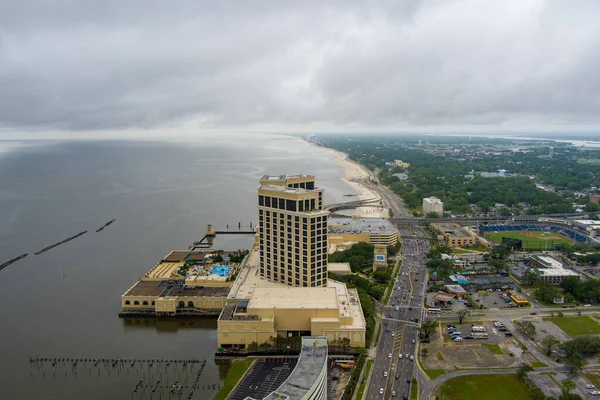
(354, 173)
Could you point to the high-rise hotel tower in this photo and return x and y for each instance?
(292, 230)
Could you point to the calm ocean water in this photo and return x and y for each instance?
(64, 303)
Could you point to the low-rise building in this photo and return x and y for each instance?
(456, 290)
(182, 283)
(368, 230)
(551, 270)
(339, 268)
(454, 235)
(443, 297)
(458, 279)
(517, 297)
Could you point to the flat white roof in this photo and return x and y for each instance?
(549, 262)
(294, 297)
(339, 267)
(556, 272)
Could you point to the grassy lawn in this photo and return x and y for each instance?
(434, 373)
(390, 286)
(484, 387)
(576, 326)
(414, 389)
(493, 348)
(538, 364)
(463, 251)
(236, 371)
(440, 356)
(531, 239)
(593, 377)
(361, 388)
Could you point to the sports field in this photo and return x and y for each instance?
(532, 240)
(485, 387)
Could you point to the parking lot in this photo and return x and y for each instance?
(266, 375)
(496, 351)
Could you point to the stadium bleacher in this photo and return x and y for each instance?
(568, 232)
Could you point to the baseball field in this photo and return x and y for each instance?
(532, 240)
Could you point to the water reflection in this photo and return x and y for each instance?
(169, 325)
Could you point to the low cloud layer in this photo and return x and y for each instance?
(113, 64)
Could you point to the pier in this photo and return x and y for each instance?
(207, 239)
(151, 378)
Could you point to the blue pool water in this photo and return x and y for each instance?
(222, 270)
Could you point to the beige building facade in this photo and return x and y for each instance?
(433, 205)
(163, 291)
(333, 311)
(292, 230)
(453, 235)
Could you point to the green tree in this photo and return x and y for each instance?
(574, 363)
(526, 327)
(498, 265)
(427, 327)
(462, 314)
(549, 342)
(567, 388)
(570, 284)
(523, 370)
(382, 276)
(546, 292)
(529, 278)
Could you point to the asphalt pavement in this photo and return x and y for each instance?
(393, 369)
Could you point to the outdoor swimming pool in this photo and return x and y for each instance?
(222, 270)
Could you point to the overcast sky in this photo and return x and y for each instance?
(313, 66)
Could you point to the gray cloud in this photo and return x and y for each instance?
(112, 64)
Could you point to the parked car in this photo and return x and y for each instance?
(590, 387)
(508, 334)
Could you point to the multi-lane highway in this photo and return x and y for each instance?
(395, 355)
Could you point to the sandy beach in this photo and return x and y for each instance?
(354, 175)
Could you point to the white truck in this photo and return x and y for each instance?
(479, 335)
(476, 328)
